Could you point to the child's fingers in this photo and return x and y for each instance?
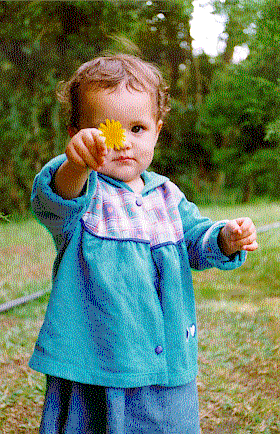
(93, 159)
(239, 234)
(96, 147)
(80, 147)
(245, 223)
(250, 247)
(232, 230)
(99, 142)
(247, 241)
(245, 229)
(248, 228)
(75, 157)
(87, 149)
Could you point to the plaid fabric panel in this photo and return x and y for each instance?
(113, 213)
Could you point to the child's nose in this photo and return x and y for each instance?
(127, 143)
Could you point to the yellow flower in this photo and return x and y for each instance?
(113, 133)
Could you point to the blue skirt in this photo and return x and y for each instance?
(75, 408)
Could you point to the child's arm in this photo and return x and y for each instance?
(237, 235)
(208, 242)
(86, 151)
(58, 215)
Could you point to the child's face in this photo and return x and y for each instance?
(134, 110)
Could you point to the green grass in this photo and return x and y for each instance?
(238, 314)
(27, 253)
(260, 212)
(260, 276)
(26, 260)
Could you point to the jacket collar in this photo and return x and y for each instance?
(151, 180)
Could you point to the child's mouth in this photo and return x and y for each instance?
(123, 159)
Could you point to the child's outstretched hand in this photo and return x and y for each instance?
(87, 149)
(236, 235)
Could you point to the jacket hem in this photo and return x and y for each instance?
(124, 380)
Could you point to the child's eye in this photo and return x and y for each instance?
(137, 129)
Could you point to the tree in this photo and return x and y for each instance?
(216, 107)
(44, 42)
(40, 44)
(242, 112)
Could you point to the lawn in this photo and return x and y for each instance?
(238, 314)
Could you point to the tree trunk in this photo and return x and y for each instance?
(247, 190)
(195, 70)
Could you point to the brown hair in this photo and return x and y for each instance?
(110, 71)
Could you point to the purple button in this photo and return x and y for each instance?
(139, 201)
(159, 349)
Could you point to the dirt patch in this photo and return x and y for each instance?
(224, 427)
(7, 322)
(21, 263)
(261, 377)
(19, 419)
(19, 249)
(20, 406)
(15, 368)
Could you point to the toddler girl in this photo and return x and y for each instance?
(119, 340)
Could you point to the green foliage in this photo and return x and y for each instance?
(44, 42)
(224, 119)
(242, 111)
(237, 98)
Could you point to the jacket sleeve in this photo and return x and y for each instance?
(201, 238)
(58, 215)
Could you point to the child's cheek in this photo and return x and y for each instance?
(109, 157)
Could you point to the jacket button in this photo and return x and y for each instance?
(139, 201)
(159, 349)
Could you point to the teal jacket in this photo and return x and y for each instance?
(121, 312)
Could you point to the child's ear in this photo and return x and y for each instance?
(72, 131)
(159, 126)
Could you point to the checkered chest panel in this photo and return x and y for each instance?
(120, 214)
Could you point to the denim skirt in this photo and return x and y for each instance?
(76, 408)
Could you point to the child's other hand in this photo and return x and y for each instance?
(87, 149)
(236, 235)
